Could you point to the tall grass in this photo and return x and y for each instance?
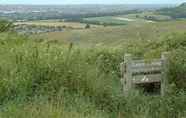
(39, 80)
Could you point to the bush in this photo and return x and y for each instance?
(177, 67)
(5, 25)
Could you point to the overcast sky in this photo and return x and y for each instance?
(91, 1)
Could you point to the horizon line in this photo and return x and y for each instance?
(96, 4)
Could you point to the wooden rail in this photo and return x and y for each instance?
(142, 72)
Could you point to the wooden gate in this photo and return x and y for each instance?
(142, 73)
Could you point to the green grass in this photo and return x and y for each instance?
(139, 18)
(142, 15)
(106, 20)
(42, 108)
(115, 36)
(44, 79)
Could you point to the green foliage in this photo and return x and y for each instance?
(87, 26)
(174, 41)
(5, 25)
(42, 79)
(177, 72)
(43, 108)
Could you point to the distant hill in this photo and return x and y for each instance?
(176, 12)
(70, 12)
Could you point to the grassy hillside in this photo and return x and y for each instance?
(41, 79)
(115, 36)
(138, 18)
(150, 16)
(106, 20)
(177, 12)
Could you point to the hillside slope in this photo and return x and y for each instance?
(114, 36)
(177, 12)
(41, 79)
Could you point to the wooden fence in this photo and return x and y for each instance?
(141, 72)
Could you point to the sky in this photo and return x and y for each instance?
(91, 1)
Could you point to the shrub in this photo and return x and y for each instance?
(5, 25)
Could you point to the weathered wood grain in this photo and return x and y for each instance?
(143, 72)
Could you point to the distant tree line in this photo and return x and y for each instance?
(154, 18)
(101, 23)
(36, 29)
(59, 15)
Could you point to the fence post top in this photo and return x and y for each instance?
(164, 55)
(127, 57)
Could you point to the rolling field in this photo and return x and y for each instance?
(149, 14)
(46, 76)
(61, 69)
(116, 35)
(116, 20)
(107, 20)
(139, 18)
(47, 80)
(75, 25)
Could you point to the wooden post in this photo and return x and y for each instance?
(164, 80)
(128, 74)
(122, 70)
